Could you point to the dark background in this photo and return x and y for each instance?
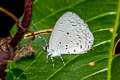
(14, 6)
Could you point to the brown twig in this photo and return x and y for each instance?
(23, 26)
(7, 50)
(9, 14)
(46, 31)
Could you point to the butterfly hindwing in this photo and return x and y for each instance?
(71, 35)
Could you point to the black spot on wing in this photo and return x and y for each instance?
(79, 37)
(74, 50)
(68, 33)
(88, 46)
(77, 43)
(81, 46)
(89, 42)
(80, 41)
(68, 52)
(66, 45)
(61, 22)
(71, 21)
(70, 36)
(60, 42)
(74, 25)
(61, 30)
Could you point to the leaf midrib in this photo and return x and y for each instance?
(112, 40)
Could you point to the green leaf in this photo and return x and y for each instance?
(112, 40)
(116, 59)
(115, 68)
(100, 15)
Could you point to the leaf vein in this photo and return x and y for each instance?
(75, 58)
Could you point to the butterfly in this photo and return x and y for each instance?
(70, 35)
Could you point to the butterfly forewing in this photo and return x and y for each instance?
(71, 35)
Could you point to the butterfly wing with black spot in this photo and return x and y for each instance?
(71, 35)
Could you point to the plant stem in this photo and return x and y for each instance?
(9, 14)
(23, 26)
(112, 42)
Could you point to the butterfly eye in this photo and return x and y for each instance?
(46, 47)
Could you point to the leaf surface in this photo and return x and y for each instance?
(100, 15)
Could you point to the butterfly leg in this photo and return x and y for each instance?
(47, 58)
(62, 60)
(52, 61)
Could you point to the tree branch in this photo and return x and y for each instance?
(23, 26)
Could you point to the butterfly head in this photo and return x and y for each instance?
(46, 47)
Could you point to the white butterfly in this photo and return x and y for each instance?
(70, 35)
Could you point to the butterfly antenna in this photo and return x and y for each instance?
(62, 60)
(40, 33)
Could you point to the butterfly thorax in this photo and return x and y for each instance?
(52, 52)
